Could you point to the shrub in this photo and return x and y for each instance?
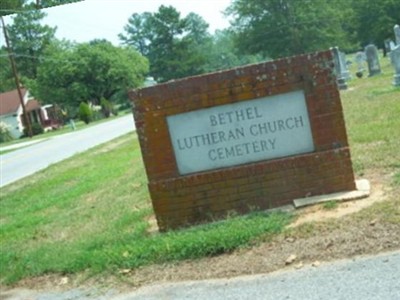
(36, 129)
(85, 113)
(5, 134)
(106, 107)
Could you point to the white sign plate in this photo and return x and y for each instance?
(241, 133)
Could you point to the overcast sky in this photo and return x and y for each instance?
(91, 19)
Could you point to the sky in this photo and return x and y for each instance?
(105, 19)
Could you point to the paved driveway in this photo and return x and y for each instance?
(26, 161)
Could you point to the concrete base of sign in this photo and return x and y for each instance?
(362, 191)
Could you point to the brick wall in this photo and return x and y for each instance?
(183, 200)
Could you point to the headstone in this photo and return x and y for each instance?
(372, 55)
(397, 33)
(392, 45)
(344, 71)
(339, 69)
(395, 59)
(253, 137)
(360, 59)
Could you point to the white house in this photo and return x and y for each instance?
(11, 112)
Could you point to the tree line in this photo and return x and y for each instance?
(167, 45)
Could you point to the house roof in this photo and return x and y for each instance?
(32, 105)
(9, 101)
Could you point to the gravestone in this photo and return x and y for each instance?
(340, 68)
(360, 59)
(250, 138)
(372, 55)
(395, 59)
(344, 71)
(392, 45)
(396, 29)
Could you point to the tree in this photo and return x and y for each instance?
(165, 50)
(55, 82)
(170, 42)
(222, 53)
(28, 40)
(9, 7)
(49, 3)
(106, 107)
(88, 72)
(7, 82)
(138, 34)
(374, 20)
(198, 42)
(277, 28)
(197, 29)
(85, 113)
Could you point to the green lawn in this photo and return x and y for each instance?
(372, 113)
(92, 212)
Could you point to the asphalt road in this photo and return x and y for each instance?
(26, 161)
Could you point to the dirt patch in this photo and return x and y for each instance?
(153, 227)
(317, 213)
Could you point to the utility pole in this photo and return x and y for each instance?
(17, 82)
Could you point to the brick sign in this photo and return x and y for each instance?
(258, 136)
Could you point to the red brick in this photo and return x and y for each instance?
(184, 200)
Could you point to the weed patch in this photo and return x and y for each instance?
(330, 205)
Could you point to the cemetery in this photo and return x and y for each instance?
(230, 171)
(373, 145)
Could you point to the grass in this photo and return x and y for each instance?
(329, 205)
(93, 212)
(372, 110)
(5, 151)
